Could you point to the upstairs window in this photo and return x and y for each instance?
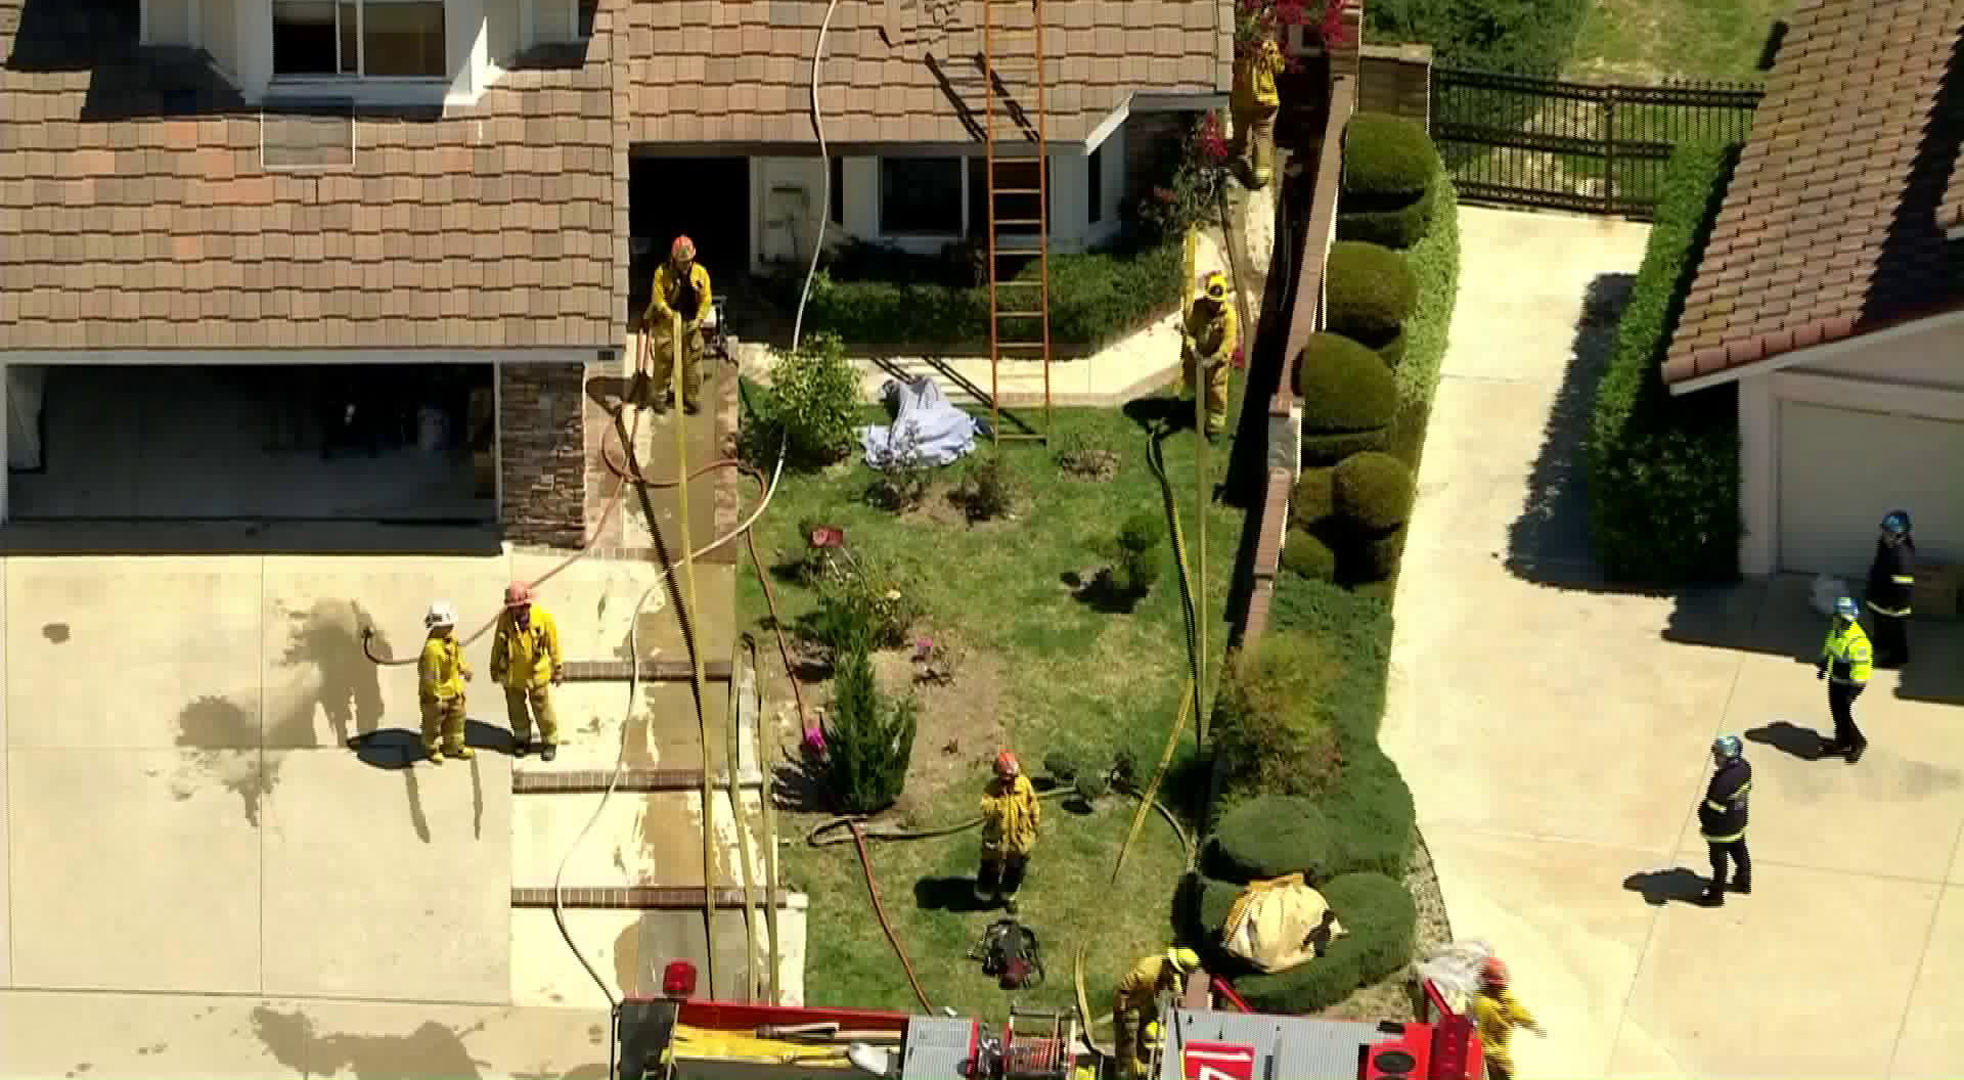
(373, 38)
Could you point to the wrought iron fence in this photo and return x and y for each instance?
(1594, 148)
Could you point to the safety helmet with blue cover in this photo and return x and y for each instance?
(1896, 522)
(1845, 608)
(1727, 747)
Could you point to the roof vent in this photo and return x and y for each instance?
(312, 135)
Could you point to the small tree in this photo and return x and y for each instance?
(868, 740)
(813, 405)
(1139, 556)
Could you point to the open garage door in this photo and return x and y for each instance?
(1842, 469)
(387, 443)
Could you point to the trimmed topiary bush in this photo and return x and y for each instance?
(1386, 155)
(1273, 731)
(1268, 837)
(1396, 225)
(1306, 555)
(1373, 491)
(1382, 924)
(1326, 449)
(1378, 555)
(1314, 497)
(1370, 291)
(1391, 350)
(1372, 818)
(1664, 470)
(1348, 398)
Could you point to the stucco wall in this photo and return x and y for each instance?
(168, 22)
(1928, 358)
(221, 33)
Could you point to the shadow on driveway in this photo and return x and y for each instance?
(1660, 887)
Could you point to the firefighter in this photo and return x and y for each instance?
(1135, 1004)
(1498, 1013)
(441, 673)
(1892, 578)
(681, 289)
(1722, 819)
(1846, 660)
(526, 661)
(1253, 104)
(1207, 341)
(1010, 815)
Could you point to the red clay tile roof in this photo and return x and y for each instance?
(740, 70)
(1830, 226)
(495, 226)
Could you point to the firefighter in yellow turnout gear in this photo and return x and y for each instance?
(526, 660)
(1135, 1005)
(441, 674)
(1497, 1013)
(681, 289)
(1010, 815)
(1253, 104)
(1207, 342)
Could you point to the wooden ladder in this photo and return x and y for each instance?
(1016, 152)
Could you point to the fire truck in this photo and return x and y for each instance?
(679, 1037)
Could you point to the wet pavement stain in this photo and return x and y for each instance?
(347, 686)
(595, 1033)
(432, 1050)
(477, 802)
(224, 734)
(146, 1051)
(627, 961)
(56, 632)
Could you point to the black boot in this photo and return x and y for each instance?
(1743, 885)
(1714, 895)
(1855, 752)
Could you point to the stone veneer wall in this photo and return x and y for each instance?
(1396, 79)
(542, 453)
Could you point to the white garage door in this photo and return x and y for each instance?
(1841, 470)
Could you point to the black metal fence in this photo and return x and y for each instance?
(1521, 141)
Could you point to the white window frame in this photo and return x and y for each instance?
(880, 202)
(367, 89)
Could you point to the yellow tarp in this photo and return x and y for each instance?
(1277, 924)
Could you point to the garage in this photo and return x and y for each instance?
(397, 443)
(1841, 469)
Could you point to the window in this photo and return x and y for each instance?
(837, 209)
(921, 196)
(376, 38)
(1094, 171)
(1020, 175)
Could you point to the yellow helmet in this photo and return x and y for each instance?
(1214, 285)
(1183, 959)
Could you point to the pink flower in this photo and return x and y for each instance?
(815, 742)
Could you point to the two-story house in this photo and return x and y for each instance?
(223, 223)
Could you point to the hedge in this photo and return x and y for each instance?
(1664, 470)
(1271, 836)
(1094, 298)
(1373, 491)
(1306, 555)
(1369, 292)
(1314, 497)
(1435, 263)
(1391, 180)
(1343, 386)
(1273, 731)
(1381, 923)
(1378, 556)
(1526, 37)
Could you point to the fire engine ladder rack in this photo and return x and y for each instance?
(1037, 1044)
(1019, 308)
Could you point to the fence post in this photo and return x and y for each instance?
(1609, 151)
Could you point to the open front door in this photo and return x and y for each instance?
(24, 387)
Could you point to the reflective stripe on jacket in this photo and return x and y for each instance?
(528, 658)
(440, 670)
(1722, 816)
(1848, 653)
(669, 297)
(1010, 817)
(1140, 987)
(1892, 578)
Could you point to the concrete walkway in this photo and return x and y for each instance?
(1555, 735)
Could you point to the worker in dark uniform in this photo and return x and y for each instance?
(1892, 578)
(1722, 819)
(1846, 660)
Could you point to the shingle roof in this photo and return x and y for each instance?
(700, 70)
(1830, 226)
(494, 226)
(1950, 214)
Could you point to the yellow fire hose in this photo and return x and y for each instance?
(734, 747)
(765, 795)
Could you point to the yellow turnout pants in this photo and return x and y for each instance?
(524, 705)
(443, 724)
(1217, 391)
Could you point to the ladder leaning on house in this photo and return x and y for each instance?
(1016, 167)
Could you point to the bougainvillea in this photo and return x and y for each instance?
(1257, 21)
(1210, 141)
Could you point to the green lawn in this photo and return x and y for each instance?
(1044, 673)
(1646, 40)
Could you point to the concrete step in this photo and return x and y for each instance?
(639, 839)
(664, 732)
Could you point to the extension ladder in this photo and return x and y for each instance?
(1017, 172)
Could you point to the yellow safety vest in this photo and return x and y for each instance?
(1848, 650)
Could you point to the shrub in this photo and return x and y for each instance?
(1344, 387)
(905, 481)
(1326, 449)
(1268, 837)
(1183, 185)
(1139, 552)
(1274, 733)
(1314, 497)
(1306, 555)
(1087, 454)
(1392, 350)
(1526, 37)
(1373, 491)
(1386, 155)
(990, 488)
(1435, 263)
(1372, 819)
(1398, 222)
(868, 740)
(1377, 555)
(864, 606)
(1370, 291)
(1664, 470)
(1061, 766)
(813, 404)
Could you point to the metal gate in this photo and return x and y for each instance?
(1516, 140)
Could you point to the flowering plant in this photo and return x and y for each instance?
(1258, 21)
(1210, 141)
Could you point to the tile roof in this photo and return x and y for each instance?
(494, 226)
(1830, 226)
(905, 70)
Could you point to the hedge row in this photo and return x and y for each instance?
(1391, 174)
(1664, 470)
(1094, 298)
(1527, 37)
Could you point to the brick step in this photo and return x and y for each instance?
(665, 734)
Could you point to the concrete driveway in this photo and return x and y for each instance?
(1555, 735)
